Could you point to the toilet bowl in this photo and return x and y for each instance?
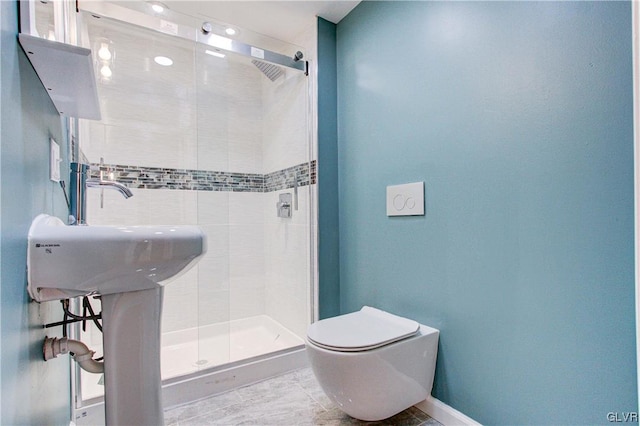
(373, 364)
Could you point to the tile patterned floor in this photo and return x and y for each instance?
(294, 399)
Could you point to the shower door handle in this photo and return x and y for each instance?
(295, 190)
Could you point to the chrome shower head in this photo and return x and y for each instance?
(273, 72)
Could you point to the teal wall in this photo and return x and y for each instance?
(518, 118)
(32, 392)
(328, 224)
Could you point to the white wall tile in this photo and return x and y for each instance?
(213, 207)
(246, 269)
(247, 297)
(92, 135)
(126, 145)
(284, 123)
(245, 155)
(229, 116)
(246, 250)
(214, 264)
(213, 152)
(146, 207)
(246, 208)
(287, 277)
(180, 295)
(213, 306)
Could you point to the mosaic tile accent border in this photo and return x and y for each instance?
(203, 180)
(282, 179)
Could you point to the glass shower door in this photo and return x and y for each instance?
(146, 140)
(217, 138)
(253, 144)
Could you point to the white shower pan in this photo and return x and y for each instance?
(186, 355)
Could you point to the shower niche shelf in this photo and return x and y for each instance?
(67, 74)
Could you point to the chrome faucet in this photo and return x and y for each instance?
(78, 192)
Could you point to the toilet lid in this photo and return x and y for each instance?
(366, 329)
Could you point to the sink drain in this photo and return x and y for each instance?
(201, 362)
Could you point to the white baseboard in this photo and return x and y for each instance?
(444, 414)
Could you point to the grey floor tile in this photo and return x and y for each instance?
(277, 415)
(431, 422)
(198, 408)
(271, 388)
(421, 415)
(336, 417)
(293, 399)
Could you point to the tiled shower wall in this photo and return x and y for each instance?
(222, 171)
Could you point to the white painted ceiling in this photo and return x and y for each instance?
(283, 20)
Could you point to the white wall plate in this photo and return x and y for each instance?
(406, 199)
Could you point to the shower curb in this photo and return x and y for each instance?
(190, 389)
(206, 385)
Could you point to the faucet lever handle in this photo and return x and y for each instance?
(284, 205)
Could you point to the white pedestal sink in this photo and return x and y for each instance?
(128, 266)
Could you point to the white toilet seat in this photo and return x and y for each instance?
(366, 329)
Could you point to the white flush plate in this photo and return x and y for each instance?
(406, 199)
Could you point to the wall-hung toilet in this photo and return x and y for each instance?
(371, 363)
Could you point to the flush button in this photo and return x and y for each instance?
(406, 199)
(398, 202)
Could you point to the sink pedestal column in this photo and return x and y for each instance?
(133, 385)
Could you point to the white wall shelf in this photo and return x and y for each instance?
(66, 72)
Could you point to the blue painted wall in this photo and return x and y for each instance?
(518, 118)
(32, 391)
(328, 224)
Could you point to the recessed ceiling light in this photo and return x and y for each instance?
(106, 71)
(158, 7)
(104, 53)
(230, 31)
(216, 54)
(163, 60)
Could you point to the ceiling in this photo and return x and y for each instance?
(283, 20)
